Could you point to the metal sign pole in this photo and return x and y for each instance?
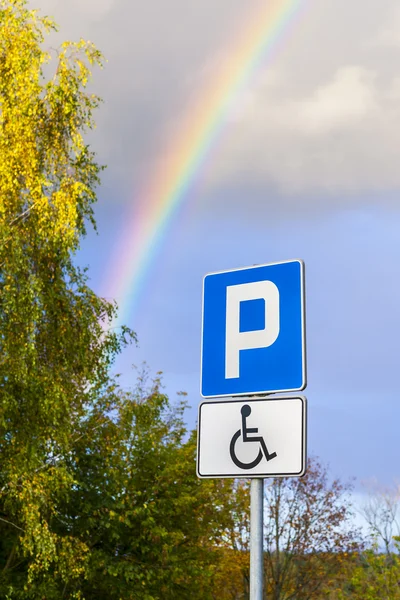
(256, 539)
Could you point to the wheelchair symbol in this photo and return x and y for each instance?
(246, 411)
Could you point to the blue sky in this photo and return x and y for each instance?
(307, 167)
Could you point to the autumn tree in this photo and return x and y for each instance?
(308, 527)
(308, 534)
(98, 492)
(55, 348)
(231, 578)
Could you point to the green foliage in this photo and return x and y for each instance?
(98, 492)
(135, 522)
(150, 524)
(374, 576)
(55, 353)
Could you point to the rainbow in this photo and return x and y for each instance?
(181, 161)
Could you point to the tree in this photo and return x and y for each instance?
(308, 535)
(376, 573)
(147, 527)
(307, 530)
(231, 580)
(381, 512)
(54, 347)
(97, 485)
(152, 527)
(374, 576)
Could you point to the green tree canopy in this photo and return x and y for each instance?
(55, 350)
(152, 527)
(98, 492)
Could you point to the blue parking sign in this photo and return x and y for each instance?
(253, 336)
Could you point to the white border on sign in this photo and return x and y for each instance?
(303, 332)
(235, 399)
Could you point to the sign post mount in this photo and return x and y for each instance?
(253, 342)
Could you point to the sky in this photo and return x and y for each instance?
(305, 165)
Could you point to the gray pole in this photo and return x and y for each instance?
(256, 539)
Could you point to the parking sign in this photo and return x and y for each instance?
(253, 336)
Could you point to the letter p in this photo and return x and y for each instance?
(236, 340)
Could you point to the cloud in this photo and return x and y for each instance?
(324, 116)
(347, 99)
(156, 52)
(342, 135)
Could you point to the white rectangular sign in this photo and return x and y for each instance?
(252, 438)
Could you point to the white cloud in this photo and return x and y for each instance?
(345, 100)
(343, 135)
(324, 116)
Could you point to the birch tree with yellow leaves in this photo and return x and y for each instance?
(98, 492)
(55, 351)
